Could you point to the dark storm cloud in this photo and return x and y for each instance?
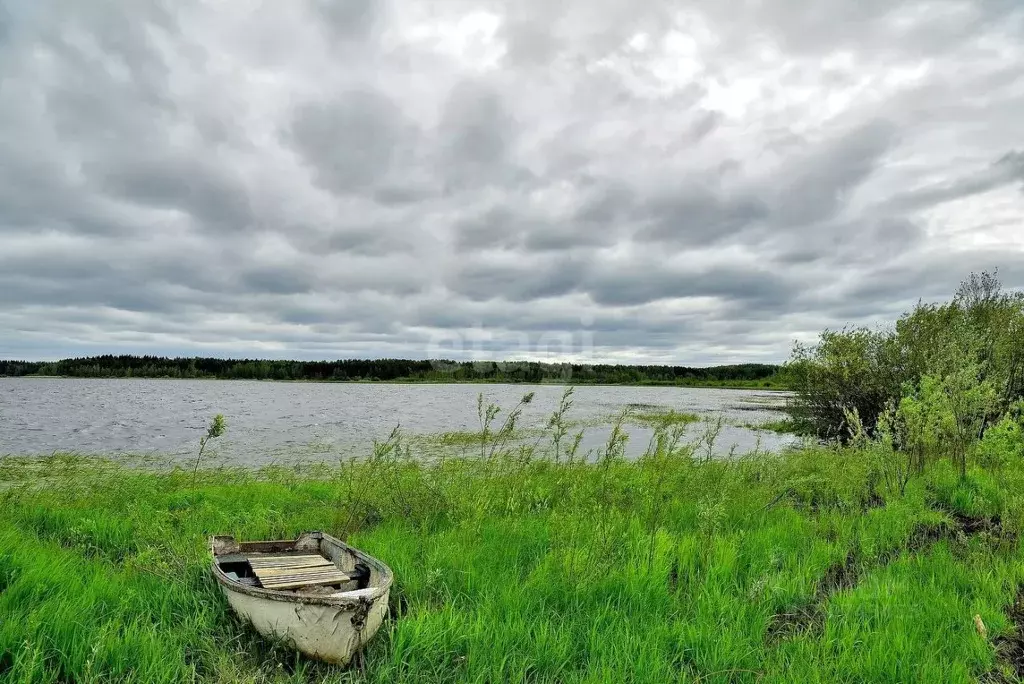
(820, 185)
(935, 279)
(697, 217)
(351, 18)
(604, 180)
(743, 286)
(208, 192)
(857, 243)
(278, 281)
(495, 228)
(475, 136)
(517, 281)
(1012, 164)
(1007, 169)
(353, 142)
(475, 128)
(369, 239)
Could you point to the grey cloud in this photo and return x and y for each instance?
(208, 192)
(367, 240)
(597, 219)
(690, 185)
(540, 33)
(529, 42)
(113, 291)
(115, 87)
(350, 19)
(705, 125)
(1007, 169)
(558, 236)
(936, 279)
(821, 184)
(400, 194)
(497, 227)
(915, 28)
(354, 141)
(862, 242)
(636, 283)
(475, 128)
(608, 202)
(697, 216)
(1012, 163)
(475, 135)
(277, 280)
(5, 26)
(483, 280)
(640, 285)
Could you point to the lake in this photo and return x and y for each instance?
(281, 422)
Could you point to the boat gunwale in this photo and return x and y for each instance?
(387, 577)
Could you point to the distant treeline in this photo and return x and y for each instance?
(351, 370)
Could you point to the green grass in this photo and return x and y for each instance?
(783, 426)
(770, 568)
(651, 416)
(459, 438)
(472, 439)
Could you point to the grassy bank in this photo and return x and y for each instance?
(515, 568)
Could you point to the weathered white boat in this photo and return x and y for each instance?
(316, 593)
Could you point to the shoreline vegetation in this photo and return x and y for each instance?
(534, 564)
(888, 550)
(741, 376)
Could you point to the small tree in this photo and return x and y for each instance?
(1003, 444)
(917, 423)
(897, 467)
(851, 369)
(970, 401)
(948, 413)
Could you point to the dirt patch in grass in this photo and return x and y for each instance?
(923, 537)
(1010, 648)
(972, 525)
(989, 527)
(810, 618)
(872, 500)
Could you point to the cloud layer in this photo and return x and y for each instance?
(593, 179)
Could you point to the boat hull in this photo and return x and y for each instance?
(331, 627)
(329, 633)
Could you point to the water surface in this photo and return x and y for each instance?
(283, 422)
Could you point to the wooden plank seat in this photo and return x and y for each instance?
(293, 571)
(287, 561)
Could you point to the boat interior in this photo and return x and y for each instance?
(291, 567)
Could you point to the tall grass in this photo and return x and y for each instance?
(522, 567)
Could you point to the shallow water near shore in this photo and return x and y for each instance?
(272, 422)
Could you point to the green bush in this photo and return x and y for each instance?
(971, 349)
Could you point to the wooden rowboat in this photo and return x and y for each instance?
(316, 593)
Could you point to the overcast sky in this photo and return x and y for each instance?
(609, 180)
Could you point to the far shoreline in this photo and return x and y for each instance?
(406, 381)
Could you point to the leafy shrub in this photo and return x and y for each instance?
(970, 347)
